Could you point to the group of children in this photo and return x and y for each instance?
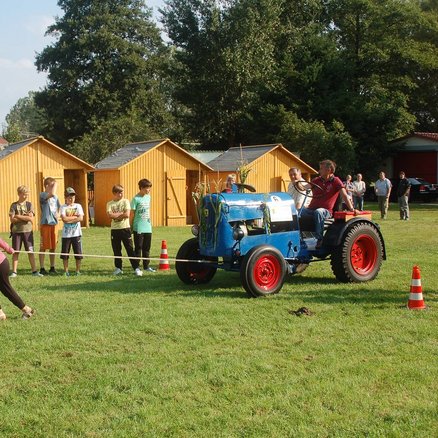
(119, 209)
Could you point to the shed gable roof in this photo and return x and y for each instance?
(230, 159)
(126, 154)
(131, 151)
(10, 149)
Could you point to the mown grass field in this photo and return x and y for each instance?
(150, 357)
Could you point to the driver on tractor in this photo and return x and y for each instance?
(325, 189)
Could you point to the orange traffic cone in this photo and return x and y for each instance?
(416, 301)
(164, 262)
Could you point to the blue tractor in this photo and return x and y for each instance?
(262, 236)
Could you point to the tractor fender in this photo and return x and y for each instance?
(335, 233)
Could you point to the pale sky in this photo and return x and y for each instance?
(23, 24)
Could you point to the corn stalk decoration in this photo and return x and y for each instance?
(201, 192)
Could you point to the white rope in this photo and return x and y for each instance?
(115, 257)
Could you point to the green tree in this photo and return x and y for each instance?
(24, 120)
(105, 65)
(224, 52)
(353, 64)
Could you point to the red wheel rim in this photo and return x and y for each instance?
(267, 272)
(363, 256)
(198, 271)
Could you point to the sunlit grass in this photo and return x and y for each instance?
(121, 357)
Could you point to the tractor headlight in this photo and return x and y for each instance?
(195, 230)
(240, 232)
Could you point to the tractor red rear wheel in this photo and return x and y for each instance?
(359, 256)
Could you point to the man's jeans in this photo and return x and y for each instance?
(319, 216)
(404, 206)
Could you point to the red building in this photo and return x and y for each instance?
(417, 155)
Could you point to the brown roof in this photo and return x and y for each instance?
(429, 135)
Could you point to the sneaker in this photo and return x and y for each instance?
(138, 272)
(77, 273)
(43, 272)
(2, 315)
(117, 271)
(52, 271)
(27, 312)
(149, 269)
(67, 274)
(37, 274)
(12, 275)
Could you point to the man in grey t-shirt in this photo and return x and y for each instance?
(382, 189)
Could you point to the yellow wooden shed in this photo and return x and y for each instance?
(268, 167)
(173, 172)
(28, 163)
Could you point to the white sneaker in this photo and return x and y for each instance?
(149, 269)
(37, 274)
(12, 275)
(2, 315)
(138, 272)
(117, 271)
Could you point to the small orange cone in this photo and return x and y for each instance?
(164, 262)
(416, 301)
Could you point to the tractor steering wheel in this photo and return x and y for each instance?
(308, 192)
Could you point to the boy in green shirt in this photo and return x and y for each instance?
(140, 207)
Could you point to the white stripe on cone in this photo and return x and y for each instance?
(416, 282)
(416, 297)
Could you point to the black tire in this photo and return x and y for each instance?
(263, 271)
(359, 256)
(194, 273)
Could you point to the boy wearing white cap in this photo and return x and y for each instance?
(72, 214)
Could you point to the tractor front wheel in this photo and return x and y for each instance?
(194, 272)
(263, 271)
(359, 256)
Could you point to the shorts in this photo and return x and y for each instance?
(76, 243)
(49, 237)
(23, 239)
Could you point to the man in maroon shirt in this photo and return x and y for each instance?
(324, 197)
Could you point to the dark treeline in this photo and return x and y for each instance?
(327, 78)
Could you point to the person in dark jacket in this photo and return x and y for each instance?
(403, 189)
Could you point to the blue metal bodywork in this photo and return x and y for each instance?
(262, 218)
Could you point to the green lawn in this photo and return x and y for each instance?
(143, 357)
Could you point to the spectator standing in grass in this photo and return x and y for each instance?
(50, 206)
(296, 188)
(142, 226)
(118, 209)
(359, 188)
(72, 214)
(403, 189)
(5, 286)
(349, 188)
(382, 189)
(21, 215)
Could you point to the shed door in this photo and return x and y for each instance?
(58, 174)
(175, 198)
(285, 180)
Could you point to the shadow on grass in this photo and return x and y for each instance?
(224, 284)
(315, 289)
